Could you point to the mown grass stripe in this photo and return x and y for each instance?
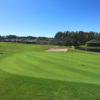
(42, 65)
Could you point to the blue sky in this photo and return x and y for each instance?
(47, 17)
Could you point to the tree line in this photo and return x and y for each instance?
(75, 38)
(66, 38)
(3, 38)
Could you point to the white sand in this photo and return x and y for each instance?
(56, 50)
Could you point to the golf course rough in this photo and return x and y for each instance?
(48, 75)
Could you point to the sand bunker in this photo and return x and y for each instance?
(56, 50)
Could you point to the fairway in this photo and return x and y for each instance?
(71, 75)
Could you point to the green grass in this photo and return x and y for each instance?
(89, 47)
(27, 72)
